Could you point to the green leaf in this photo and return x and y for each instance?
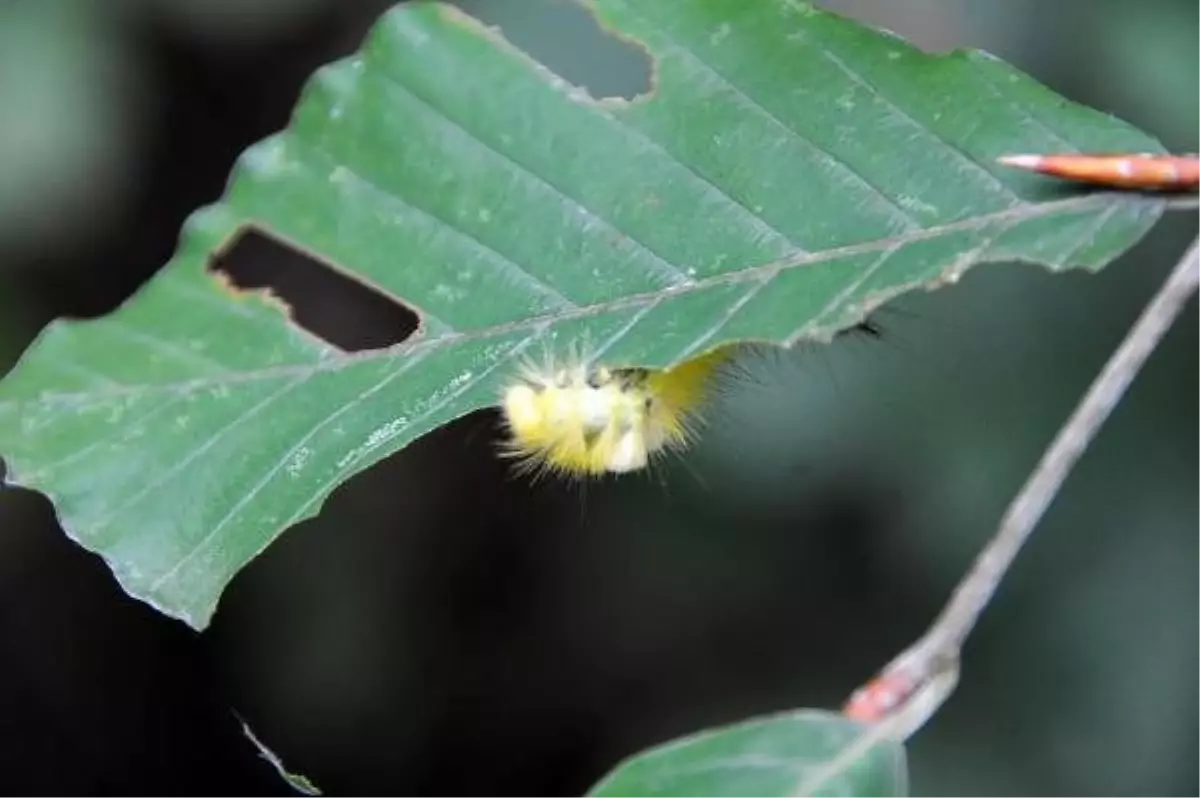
(781, 755)
(789, 172)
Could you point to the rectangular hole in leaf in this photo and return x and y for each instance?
(323, 300)
(567, 39)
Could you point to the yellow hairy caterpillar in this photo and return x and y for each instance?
(584, 419)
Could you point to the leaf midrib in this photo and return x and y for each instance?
(1023, 212)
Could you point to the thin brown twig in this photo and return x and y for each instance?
(977, 588)
(920, 679)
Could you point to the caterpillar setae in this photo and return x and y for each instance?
(583, 419)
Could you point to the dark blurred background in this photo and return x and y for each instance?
(444, 628)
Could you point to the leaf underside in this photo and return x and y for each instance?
(786, 754)
(789, 172)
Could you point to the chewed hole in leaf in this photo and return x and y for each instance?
(323, 300)
(616, 67)
(788, 172)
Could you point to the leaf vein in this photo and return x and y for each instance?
(173, 282)
(664, 266)
(341, 472)
(192, 456)
(1000, 92)
(999, 188)
(729, 313)
(1085, 238)
(841, 296)
(115, 434)
(852, 174)
(59, 362)
(1023, 212)
(495, 259)
(168, 348)
(258, 487)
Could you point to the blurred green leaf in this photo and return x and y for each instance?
(791, 171)
(769, 756)
(71, 102)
